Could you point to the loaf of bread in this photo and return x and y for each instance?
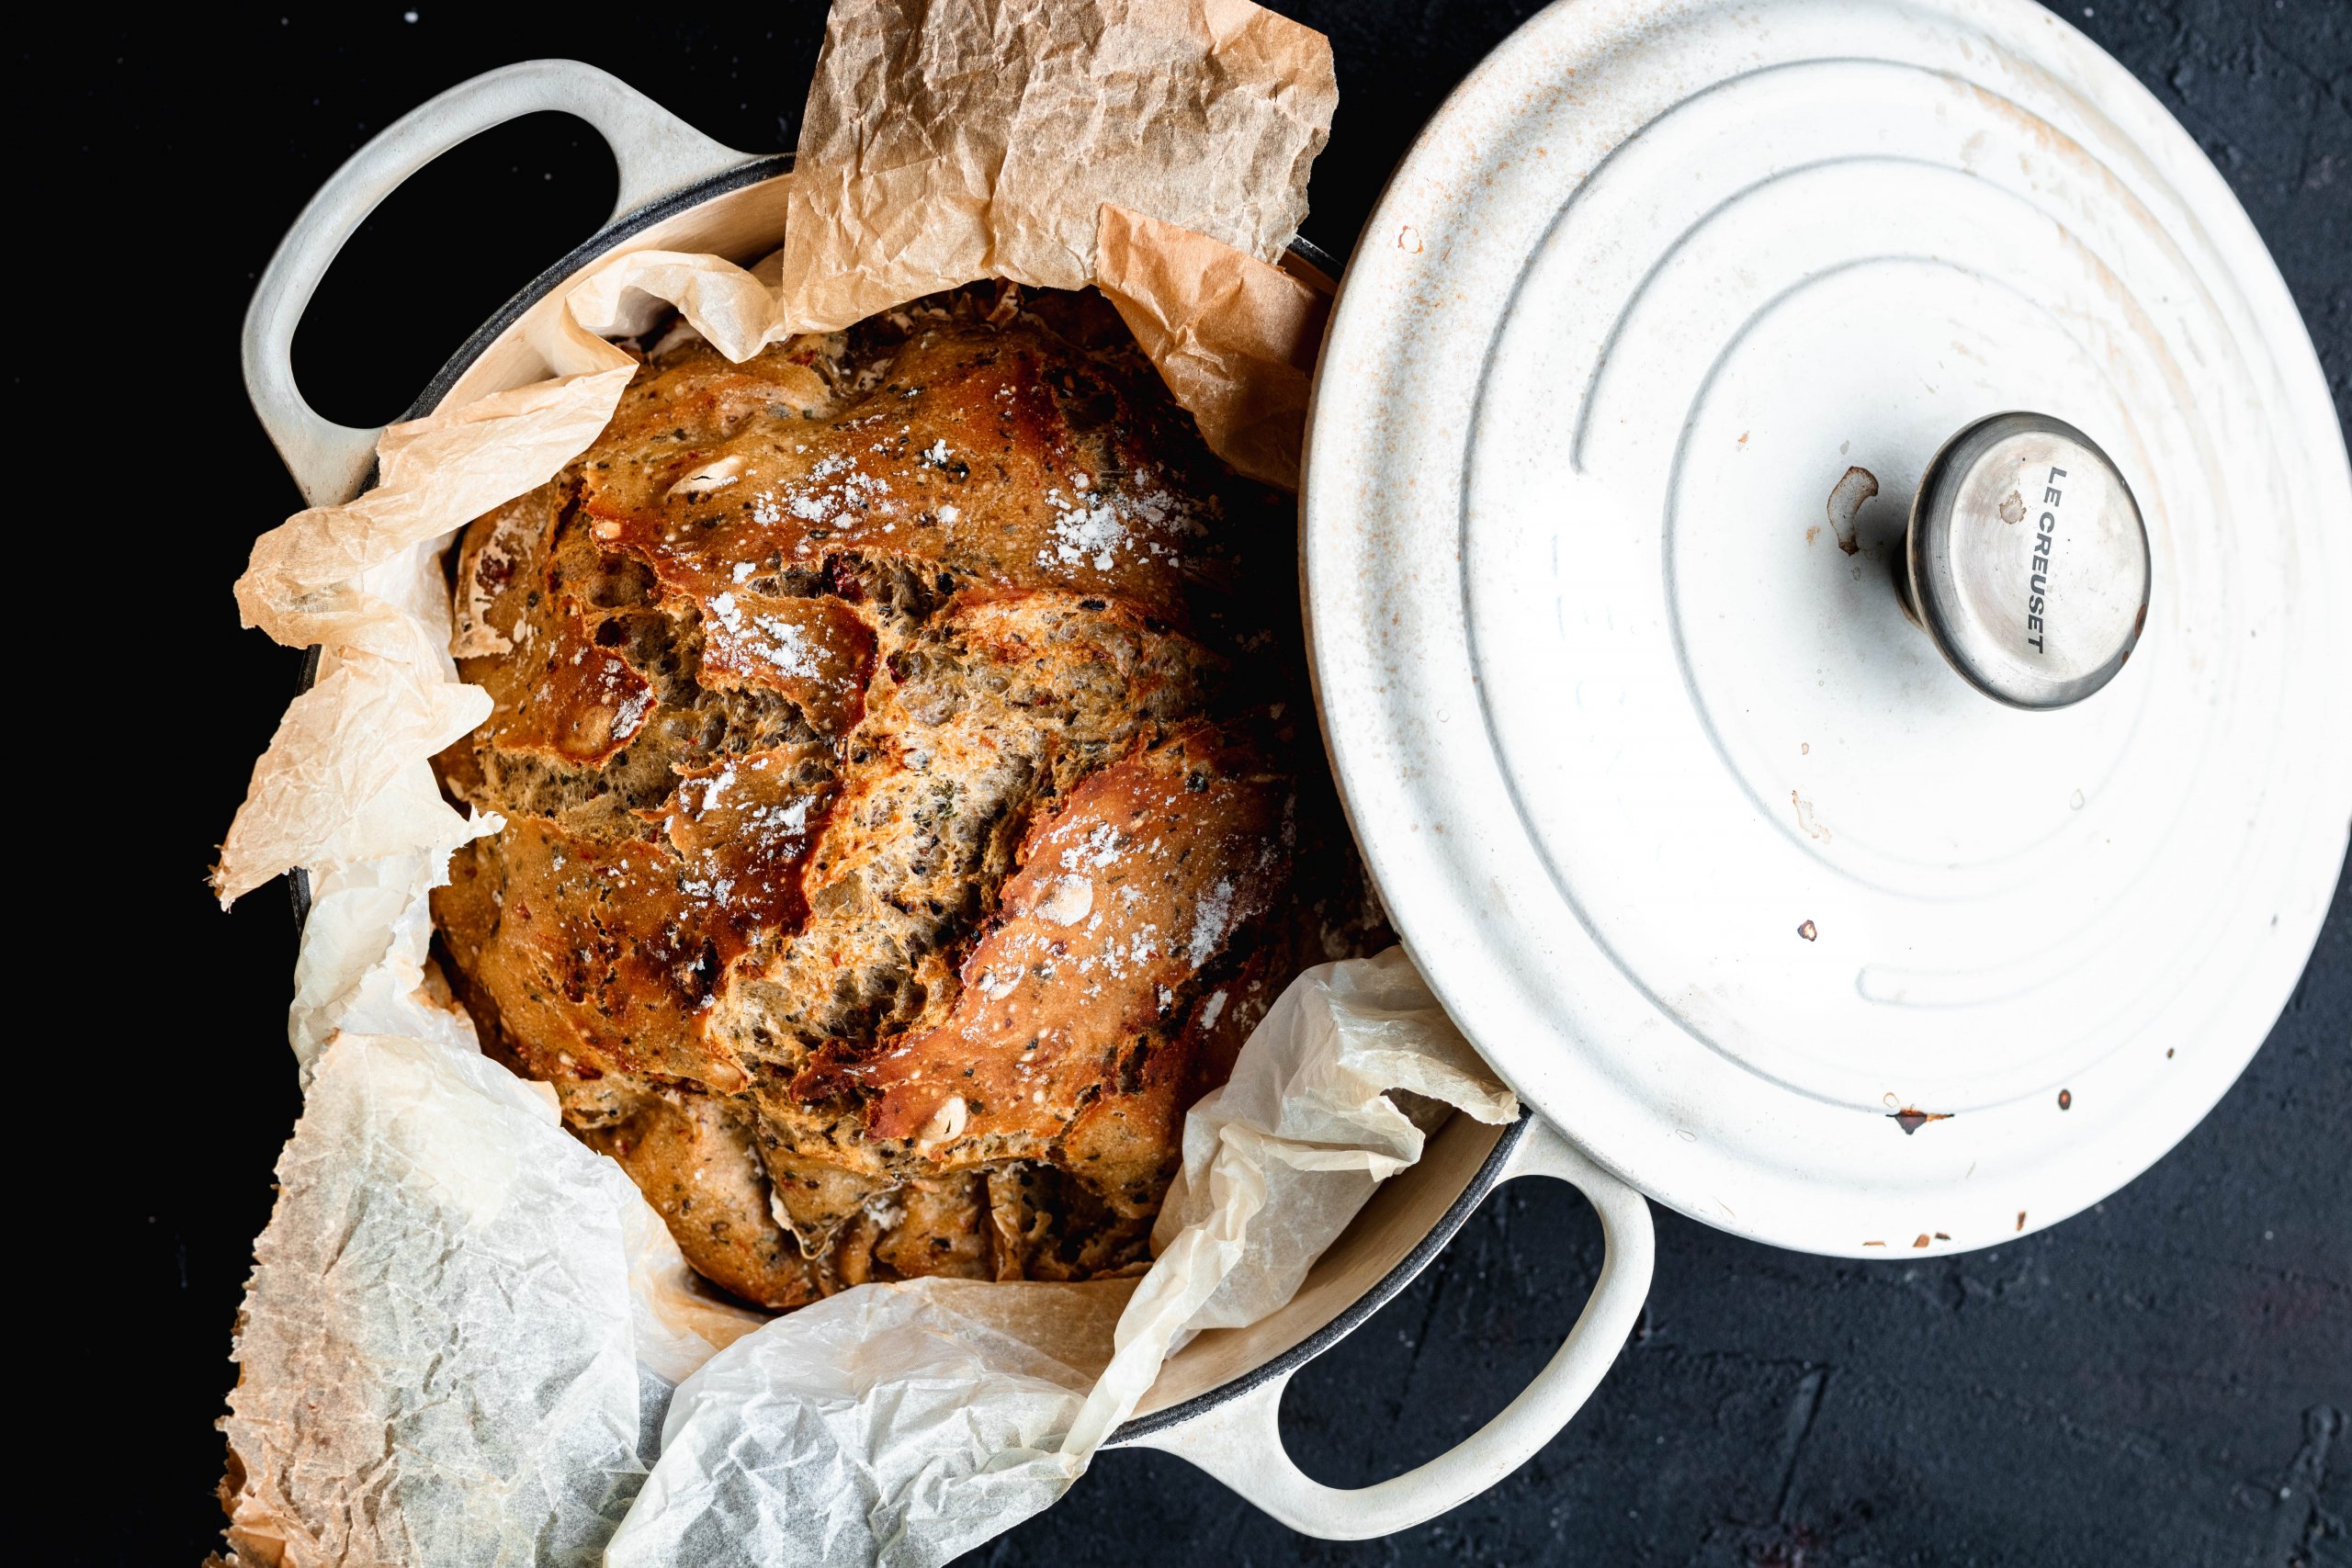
(910, 789)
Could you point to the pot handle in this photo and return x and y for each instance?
(657, 152)
(1240, 1442)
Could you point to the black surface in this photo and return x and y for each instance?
(2163, 1380)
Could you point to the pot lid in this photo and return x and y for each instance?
(1849, 932)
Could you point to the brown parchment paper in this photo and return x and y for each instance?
(1234, 338)
(464, 1329)
(953, 140)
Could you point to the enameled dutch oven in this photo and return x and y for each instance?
(1217, 1401)
(1820, 524)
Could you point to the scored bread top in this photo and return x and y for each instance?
(898, 738)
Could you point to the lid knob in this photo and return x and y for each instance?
(2026, 561)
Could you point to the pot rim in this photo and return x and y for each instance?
(1350, 1317)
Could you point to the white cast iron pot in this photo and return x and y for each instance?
(1216, 1402)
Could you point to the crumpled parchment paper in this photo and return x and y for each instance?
(463, 1329)
(1028, 116)
(429, 1211)
(1234, 340)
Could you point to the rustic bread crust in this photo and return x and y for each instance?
(897, 736)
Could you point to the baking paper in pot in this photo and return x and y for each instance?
(441, 1360)
(1235, 340)
(947, 141)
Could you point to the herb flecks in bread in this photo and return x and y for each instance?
(909, 786)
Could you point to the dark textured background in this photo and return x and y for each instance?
(2161, 1381)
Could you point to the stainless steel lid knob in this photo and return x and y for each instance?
(2027, 561)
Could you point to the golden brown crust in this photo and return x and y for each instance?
(1125, 892)
(964, 461)
(823, 685)
(603, 959)
(585, 703)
